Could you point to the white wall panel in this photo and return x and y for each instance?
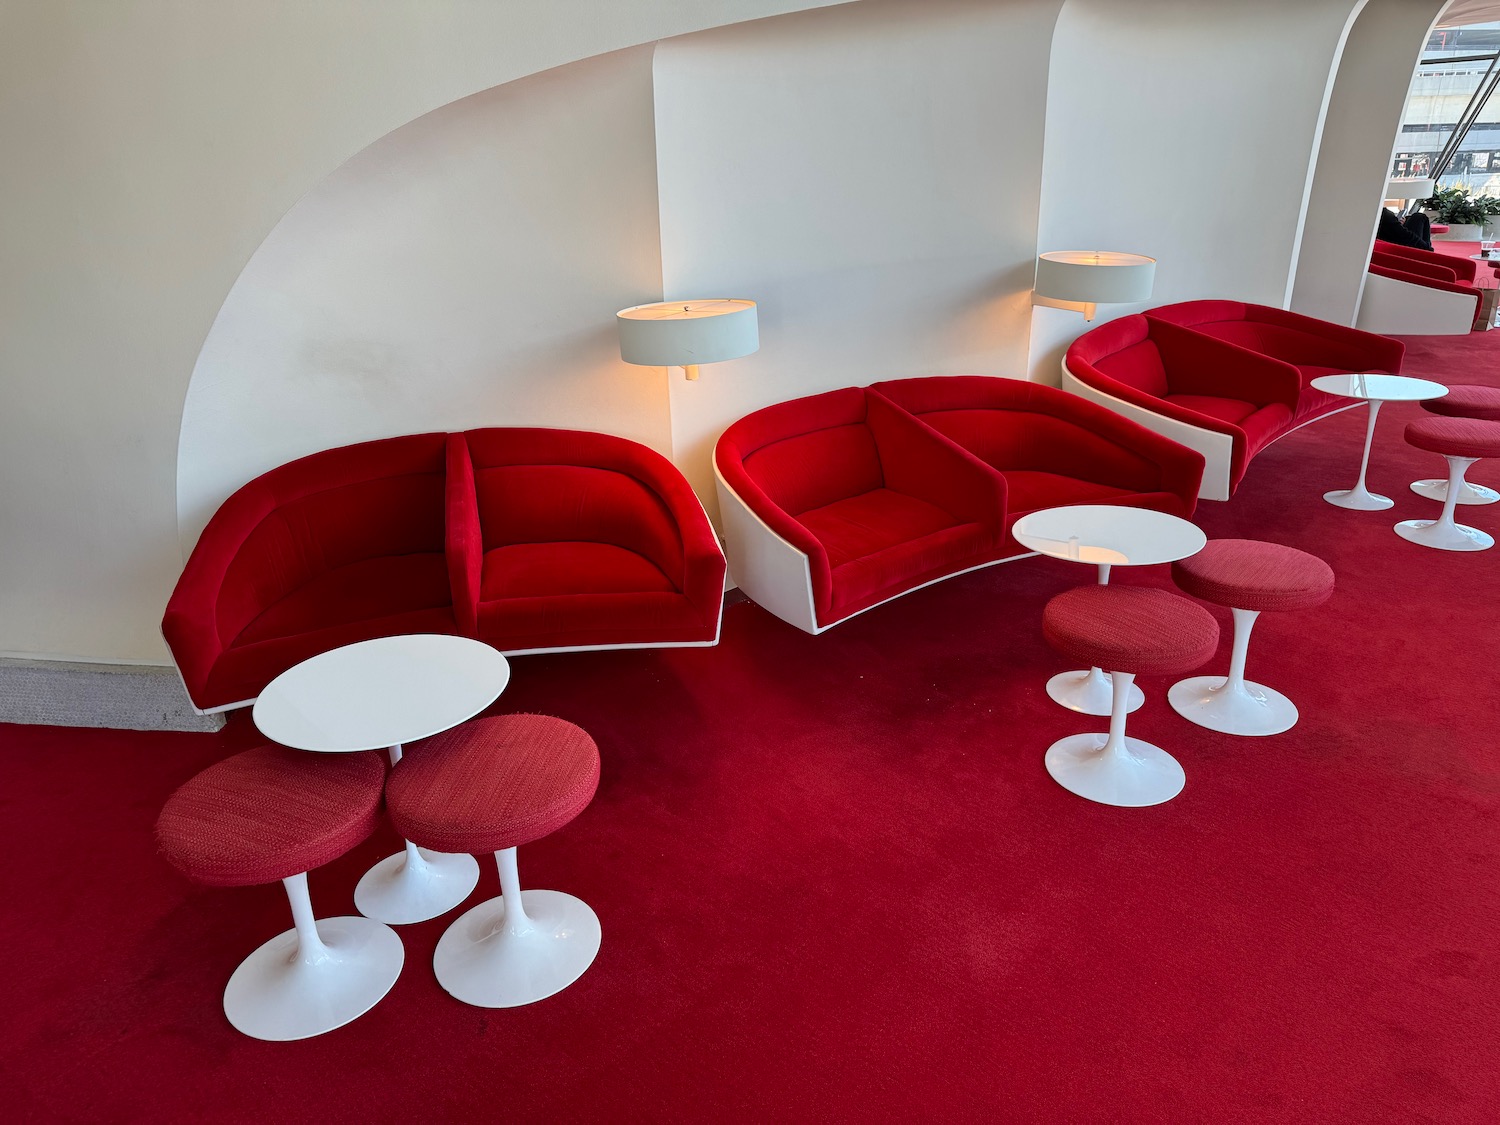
(1354, 159)
(462, 271)
(1186, 131)
(870, 175)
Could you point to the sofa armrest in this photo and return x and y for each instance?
(729, 460)
(920, 462)
(1369, 349)
(1430, 283)
(1435, 270)
(1196, 364)
(463, 538)
(703, 565)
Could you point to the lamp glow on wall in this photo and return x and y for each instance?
(687, 333)
(1082, 279)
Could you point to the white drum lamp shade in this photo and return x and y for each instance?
(1081, 279)
(687, 333)
(1408, 187)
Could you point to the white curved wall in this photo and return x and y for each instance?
(462, 271)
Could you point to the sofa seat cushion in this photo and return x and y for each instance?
(244, 669)
(358, 592)
(539, 570)
(571, 595)
(872, 522)
(883, 542)
(1231, 410)
(1261, 424)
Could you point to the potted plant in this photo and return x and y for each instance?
(1491, 207)
(1464, 215)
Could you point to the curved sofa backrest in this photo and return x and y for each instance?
(1122, 350)
(320, 512)
(1016, 425)
(537, 485)
(805, 453)
(1195, 314)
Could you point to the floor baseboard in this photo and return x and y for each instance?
(122, 696)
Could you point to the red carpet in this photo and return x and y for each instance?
(837, 884)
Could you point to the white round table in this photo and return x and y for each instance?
(378, 695)
(1374, 389)
(1106, 535)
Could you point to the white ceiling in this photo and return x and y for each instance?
(1462, 13)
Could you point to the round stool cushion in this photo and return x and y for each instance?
(1248, 574)
(493, 783)
(1128, 629)
(1455, 437)
(1467, 401)
(270, 813)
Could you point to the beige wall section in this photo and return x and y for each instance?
(870, 176)
(149, 147)
(1185, 131)
(462, 271)
(1354, 160)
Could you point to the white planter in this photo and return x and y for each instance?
(1460, 232)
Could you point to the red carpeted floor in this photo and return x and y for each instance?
(836, 883)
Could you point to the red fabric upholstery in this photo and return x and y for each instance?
(877, 501)
(1249, 574)
(1437, 271)
(1465, 268)
(1466, 401)
(587, 539)
(1052, 447)
(1314, 347)
(1455, 437)
(493, 783)
(561, 539)
(1131, 629)
(1190, 377)
(270, 813)
(333, 548)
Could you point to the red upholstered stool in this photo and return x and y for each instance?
(1462, 441)
(1462, 401)
(1126, 631)
(491, 785)
(1249, 577)
(273, 813)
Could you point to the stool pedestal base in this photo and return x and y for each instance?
(1435, 488)
(415, 885)
(1089, 692)
(1444, 535)
(519, 948)
(1213, 702)
(314, 977)
(1111, 768)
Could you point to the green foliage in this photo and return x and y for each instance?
(1456, 206)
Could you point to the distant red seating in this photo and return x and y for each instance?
(1409, 290)
(1314, 347)
(1223, 400)
(835, 503)
(529, 539)
(1052, 447)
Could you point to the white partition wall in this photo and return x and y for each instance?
(870, 175)
(1354, 160)
(462, 271)
(1186, 131)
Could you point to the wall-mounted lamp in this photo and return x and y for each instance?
(1081, 279)
(687, 333)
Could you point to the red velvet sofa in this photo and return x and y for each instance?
(1464, 269)
(1314, 347)
(835, 503)
(1052, 447)
(1419, 292)
(529, 539)
(1224, 401)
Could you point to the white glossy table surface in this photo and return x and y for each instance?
(1109, 535)
(381, 693)
(1382, 388)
